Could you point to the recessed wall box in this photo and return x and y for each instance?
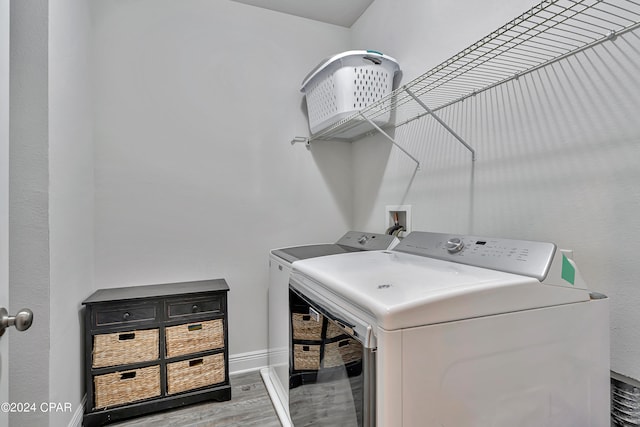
(397, 216)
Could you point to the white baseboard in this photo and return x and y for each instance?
(282, 408)
(76, 421)
(238, 363)
(246, 362)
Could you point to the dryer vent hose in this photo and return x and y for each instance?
(396, 228)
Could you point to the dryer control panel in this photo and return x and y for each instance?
(528, 258)
(367, 241)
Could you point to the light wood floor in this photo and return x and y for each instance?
(249, 406)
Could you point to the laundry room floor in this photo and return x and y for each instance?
(249, 406)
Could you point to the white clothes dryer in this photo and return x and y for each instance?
(451, 331)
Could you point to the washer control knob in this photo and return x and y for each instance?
(363, 239)
(454, 245)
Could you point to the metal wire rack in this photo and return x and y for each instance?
(548, 32)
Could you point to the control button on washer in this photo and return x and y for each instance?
(454, 245)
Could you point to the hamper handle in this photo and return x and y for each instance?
(373, 59)
(128, 375)
(128, 336)
(192, 328)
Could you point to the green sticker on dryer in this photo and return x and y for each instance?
(568, 270)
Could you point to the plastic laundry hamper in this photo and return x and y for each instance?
(345, 83)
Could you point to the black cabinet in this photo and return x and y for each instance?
(155, 347)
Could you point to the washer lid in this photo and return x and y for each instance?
(402, 290)
(296, 253)
(352, 241)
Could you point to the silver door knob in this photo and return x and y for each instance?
(22, 320)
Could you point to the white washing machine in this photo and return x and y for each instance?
(451, 331)
(276, 375)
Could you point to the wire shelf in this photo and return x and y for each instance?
(548, 32)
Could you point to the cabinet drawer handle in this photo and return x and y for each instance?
(126, 316)
(127, 375)
(195, 362)
(128, 336)
(195, 308)
(192, 328)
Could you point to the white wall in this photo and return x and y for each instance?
(70, 199)
(557, 152)
(4, 196)
(195, 104)
(51, 204)
(28, 205)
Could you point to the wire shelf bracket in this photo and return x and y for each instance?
(439, 120)
(386, 135)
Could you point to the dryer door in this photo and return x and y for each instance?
(332, 374)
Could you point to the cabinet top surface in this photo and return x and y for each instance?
(161, 290)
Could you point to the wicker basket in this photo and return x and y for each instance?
(195, 373)
(305, 327)
(119, 388)
(306, 357)
(125, 347)
(342, 352)
(333, 331)
(194, 337)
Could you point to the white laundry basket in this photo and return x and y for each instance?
(345, 83)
